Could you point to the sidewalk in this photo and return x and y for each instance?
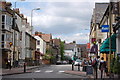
(81, 73)
(18, 70)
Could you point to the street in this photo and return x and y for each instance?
(50, 71)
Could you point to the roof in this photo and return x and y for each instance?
(56, 42)
(46, 37)
(99, 11)
(70, 46)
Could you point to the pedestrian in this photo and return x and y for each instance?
(102, 66)
(9, 64)
(95, 66)
(90, 61)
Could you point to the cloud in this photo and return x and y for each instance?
(63, 0)
(66, 19)
(80, 38)
(58, 18)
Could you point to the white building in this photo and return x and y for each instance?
(71, 50)
(40, 45)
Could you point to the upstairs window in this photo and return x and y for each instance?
(3, 18)
(3, 26)
(38, 49)
(3, 37)
(38, 42)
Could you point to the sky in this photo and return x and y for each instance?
(68, 20)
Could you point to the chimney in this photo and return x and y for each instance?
(74, 41)
(17, 10)
(3, 4)
(22, 15)
(8, 4)
(36, 33)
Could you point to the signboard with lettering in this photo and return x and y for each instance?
(105, 28)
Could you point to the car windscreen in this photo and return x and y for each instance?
(78, 60)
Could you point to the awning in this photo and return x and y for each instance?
(105, 45)
(94, 49)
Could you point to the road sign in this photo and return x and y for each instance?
(105, 28)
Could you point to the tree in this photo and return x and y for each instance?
(62, 49)
(116, 67)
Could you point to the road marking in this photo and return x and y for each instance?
(61, 71)
(49, 71)
(38, 71)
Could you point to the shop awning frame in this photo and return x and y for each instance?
(105, 45)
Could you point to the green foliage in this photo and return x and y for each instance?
(48, 51)
(116, 67)
(62, 50)
(47, 57)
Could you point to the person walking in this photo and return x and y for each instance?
(95, 63)
(102, 66)
(9, 64)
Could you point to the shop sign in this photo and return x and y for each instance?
(105, 28)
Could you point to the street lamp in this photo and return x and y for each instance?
(32, 16)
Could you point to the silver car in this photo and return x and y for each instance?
(78, 62)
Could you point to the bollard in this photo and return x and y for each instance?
(78, 67)
(72, 66)
(24, 67)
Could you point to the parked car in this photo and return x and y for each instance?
(70, 61)
(64, 62)
(58, 62)
(78, 62)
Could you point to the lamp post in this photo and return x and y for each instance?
(16, 2)
(32, 16)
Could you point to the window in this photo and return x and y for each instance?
(3, 26)
(38, 49)
(3, 18)
(3, 37)
(38, 42)
(2, 44)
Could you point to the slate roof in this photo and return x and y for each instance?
(99, 11)
(69, 46)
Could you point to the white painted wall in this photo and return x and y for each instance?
(42, 45)
(69, 53)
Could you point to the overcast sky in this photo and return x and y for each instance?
(65, 19)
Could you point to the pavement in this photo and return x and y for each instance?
(84, 74)
(18, 70)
